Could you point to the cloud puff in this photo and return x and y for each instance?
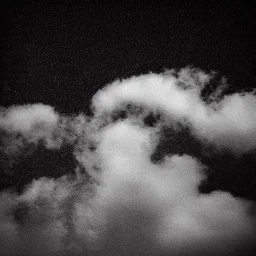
(23, 128)
(126, 204)
(157, 208)
(228, 123)
(28, 117)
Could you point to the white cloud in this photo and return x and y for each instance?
(228, 123)
(132, 206)
(28, 117)
(149, 208)
(24, 127)
(232, 124)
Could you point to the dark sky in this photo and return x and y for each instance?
(61, 52)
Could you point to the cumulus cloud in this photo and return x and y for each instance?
(23, 128)
(26, 118)
(228, 123)
(150, 209)
(128, 205)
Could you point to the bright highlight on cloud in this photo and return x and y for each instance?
(130, 205)
(229, 123)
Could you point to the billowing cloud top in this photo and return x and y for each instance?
(26, 118)
(130, 205)
(228, 123)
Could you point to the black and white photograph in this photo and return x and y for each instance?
(127, 128)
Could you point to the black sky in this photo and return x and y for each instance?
(61, 52)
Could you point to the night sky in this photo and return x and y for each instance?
(60, 53)
(56, 51)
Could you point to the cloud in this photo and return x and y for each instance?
(28, 117)
(228, 123)
(23, 128)
(157, 208)
(128, 205)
